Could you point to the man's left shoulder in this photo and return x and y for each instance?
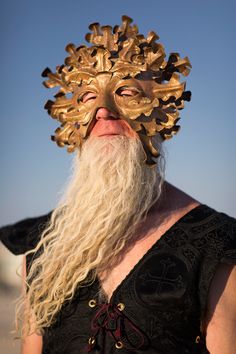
(209, 219)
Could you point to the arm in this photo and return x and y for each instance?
(31, 344)
(221, 312)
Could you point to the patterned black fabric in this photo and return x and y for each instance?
(23, 235)
(159, 306)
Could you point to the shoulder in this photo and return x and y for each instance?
(216, 229)
(23, 235)
(213, 235)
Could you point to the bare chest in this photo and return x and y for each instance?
(112, 279)
(114, 276)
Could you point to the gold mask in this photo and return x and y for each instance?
(120, 58)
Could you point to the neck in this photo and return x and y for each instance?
(171, 206)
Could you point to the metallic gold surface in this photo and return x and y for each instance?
(119, 58)
(121, 306)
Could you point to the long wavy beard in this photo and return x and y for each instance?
(108, 196)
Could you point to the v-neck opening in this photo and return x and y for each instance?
(129, 274)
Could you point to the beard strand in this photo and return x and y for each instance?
(108, 196)
(110, 193)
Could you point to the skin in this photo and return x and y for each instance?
(220, 321)
(107, 123)
(31, 344)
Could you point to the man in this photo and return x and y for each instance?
(126, 262)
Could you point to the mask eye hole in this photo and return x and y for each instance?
(126, 91)
(88, 96)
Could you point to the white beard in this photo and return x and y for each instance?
(109, 194)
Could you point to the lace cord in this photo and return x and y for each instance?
(111, 320)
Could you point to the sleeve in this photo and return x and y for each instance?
(220, 247)
(23, 235)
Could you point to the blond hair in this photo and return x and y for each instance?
(108, 196)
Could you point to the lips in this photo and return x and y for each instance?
(108, 127)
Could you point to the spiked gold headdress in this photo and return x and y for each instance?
(119, 57)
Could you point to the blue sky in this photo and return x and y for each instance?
(200, 159)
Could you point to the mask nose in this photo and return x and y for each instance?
(104, 113)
